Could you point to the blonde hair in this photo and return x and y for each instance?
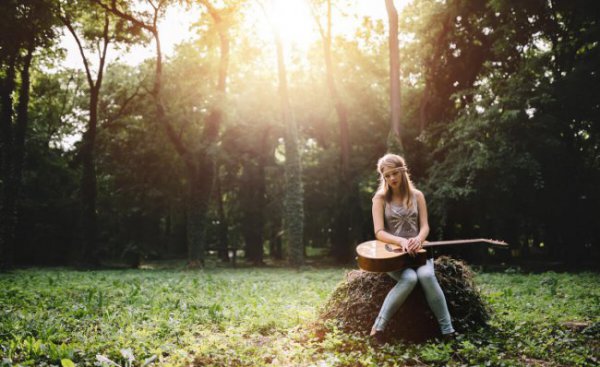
(406, 186)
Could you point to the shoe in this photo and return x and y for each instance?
(449, 337)
(378, 338)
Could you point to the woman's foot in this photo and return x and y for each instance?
(449, 337)
(377, 337)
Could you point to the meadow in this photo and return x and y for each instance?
(266, 316)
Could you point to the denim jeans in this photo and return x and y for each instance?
(407, 279)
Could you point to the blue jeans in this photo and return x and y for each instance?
(407, 279)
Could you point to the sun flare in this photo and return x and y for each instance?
(292, 18)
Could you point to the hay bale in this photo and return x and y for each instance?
(355, 303)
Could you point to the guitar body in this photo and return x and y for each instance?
(380, 257)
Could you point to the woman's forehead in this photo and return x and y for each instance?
(389, 169)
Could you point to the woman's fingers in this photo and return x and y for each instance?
(405, 246)
(413, 245)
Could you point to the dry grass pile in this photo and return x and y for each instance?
(355, 303)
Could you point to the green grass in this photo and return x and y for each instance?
(254, 317)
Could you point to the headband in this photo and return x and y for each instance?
(402, 169)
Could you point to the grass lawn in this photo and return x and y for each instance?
(263, 316)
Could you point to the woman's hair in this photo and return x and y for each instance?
(391, 161)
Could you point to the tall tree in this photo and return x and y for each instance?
(202, 178)
(198, 156)
(88, 253)
(346, 199)
(92, 30)
(27, 25)
(293, 215)
(522, 112)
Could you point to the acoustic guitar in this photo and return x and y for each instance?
(380, 257)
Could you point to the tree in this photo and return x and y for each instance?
(28, 25)
(293, 215)
(48, 206)
(91, 29)
(347, 186)
(519, 127)
(198, 156)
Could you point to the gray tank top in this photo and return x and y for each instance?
(401, 220)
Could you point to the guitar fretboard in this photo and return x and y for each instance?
(459, 242)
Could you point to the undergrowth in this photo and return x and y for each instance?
(255, 317)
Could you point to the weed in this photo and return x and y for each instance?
(258, 317)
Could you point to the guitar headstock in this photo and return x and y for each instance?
(495, 242)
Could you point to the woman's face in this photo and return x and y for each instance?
(393, 176)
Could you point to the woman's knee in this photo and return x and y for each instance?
(410, 276)
(406, 275)
(426, 274)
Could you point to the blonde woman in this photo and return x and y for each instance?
(400, 217)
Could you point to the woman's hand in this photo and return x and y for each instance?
(403, 243)
(413, 245)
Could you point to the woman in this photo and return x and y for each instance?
(400, 217)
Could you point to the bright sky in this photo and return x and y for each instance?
(296, 24)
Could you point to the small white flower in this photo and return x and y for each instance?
(103, 360)
(128, 354)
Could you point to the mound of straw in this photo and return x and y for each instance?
(356, 301)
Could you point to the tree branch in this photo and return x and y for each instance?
(69, 26)
(106, 39)
(123, 107)
(224, 38)
(113, 9)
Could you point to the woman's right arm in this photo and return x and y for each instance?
(379, 227)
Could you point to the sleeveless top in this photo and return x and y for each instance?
(401, 220)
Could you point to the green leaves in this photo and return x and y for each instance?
(262, 317)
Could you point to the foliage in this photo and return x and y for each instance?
(500, 109)
(255, 317)
(516, 129)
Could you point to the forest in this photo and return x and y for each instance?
(244, 141)
(186, 182)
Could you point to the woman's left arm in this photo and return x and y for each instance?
(415, 243)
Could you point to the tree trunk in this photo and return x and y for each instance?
(395, 138)
(13, 152)
(294, 195)
(89, 254)
(22, 120)
(275, 240)
(197, 215)
(201, 185)
(22, 116)
(342, 222)
(89, 222)
(223, 223)
(205, 160)
(198, 186)
(7, 205)
(252, 200)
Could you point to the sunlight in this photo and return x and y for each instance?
(291, 17)
(294, 20)
(297, 25)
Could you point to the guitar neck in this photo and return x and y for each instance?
(461, 242)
